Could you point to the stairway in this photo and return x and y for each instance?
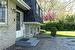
(31, 42)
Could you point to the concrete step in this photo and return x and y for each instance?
(33, 41)
(28, 43)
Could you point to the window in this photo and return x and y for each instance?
(40, 13)
(36, 8)
(2, 10)
(18, 21)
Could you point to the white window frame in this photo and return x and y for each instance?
(37, 8)
(5, 16)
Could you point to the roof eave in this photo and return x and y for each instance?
(23, 5)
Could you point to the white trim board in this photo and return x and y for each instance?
(35, 23)
(23, 5)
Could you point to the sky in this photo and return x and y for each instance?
(70, 7)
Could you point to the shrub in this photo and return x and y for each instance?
(61, 26)
(53, 31)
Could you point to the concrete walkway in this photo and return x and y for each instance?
(58, 43)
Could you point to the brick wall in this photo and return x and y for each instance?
(8, 31)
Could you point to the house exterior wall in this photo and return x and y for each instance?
(31, 29)
(8, 31)
(32, 15)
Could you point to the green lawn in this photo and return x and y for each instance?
(62, 33)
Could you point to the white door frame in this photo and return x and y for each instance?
(19, 33)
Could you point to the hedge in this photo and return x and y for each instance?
(61, 26)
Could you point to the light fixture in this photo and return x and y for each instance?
(13, 10)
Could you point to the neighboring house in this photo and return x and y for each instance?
(18, 19)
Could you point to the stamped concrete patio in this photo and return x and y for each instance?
(58, 43)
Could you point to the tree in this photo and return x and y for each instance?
(49, 15)
(70, 19)
(60, 9)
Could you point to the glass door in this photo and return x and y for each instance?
(19, 24)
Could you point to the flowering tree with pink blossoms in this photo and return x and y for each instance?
(48, 15)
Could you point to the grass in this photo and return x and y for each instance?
(66, 33)
(62, 33)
